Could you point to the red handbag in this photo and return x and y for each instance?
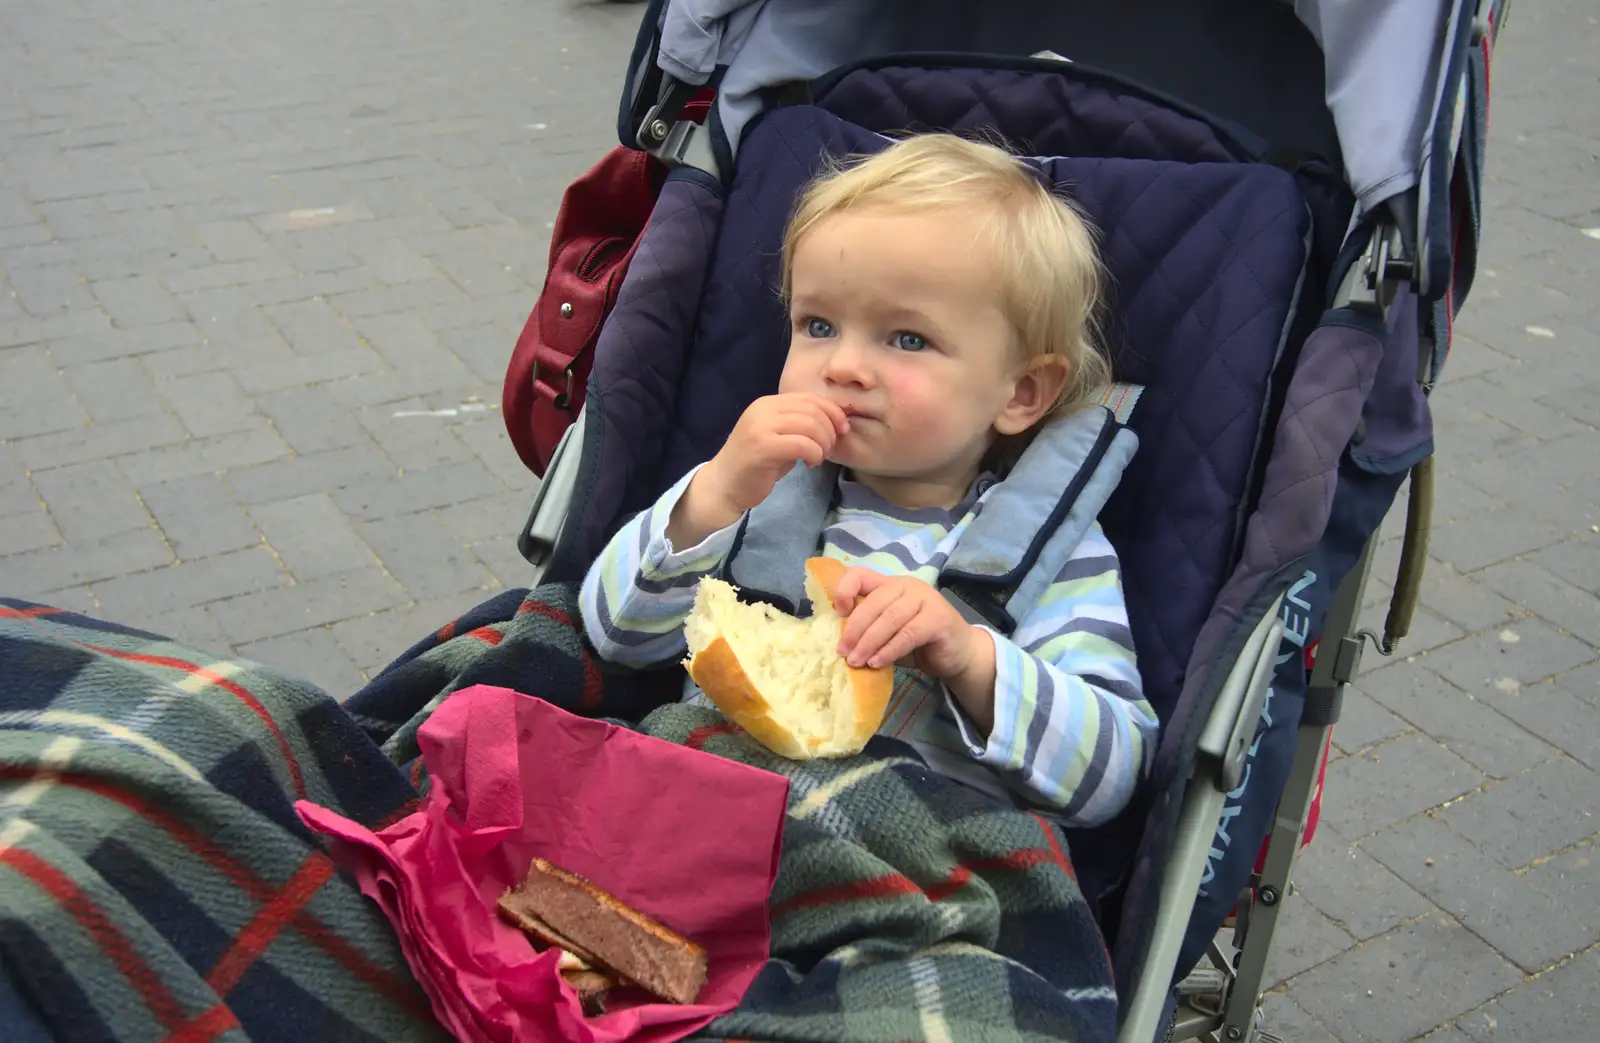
(603, 213)
(602, 216)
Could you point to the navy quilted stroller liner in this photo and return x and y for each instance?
(1267, 302)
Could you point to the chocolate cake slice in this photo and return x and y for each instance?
(568, 911)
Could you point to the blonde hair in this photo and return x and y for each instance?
(1049, 261)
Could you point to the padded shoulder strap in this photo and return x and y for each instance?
(1035, 519)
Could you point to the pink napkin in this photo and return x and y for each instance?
(684, 836)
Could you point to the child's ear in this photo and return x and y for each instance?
(1033, 394)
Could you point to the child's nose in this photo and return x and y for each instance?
(848, 363)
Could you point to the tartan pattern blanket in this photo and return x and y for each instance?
(155, 883)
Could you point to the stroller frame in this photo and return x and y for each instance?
(1221, 999)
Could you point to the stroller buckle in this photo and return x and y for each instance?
(677, 144)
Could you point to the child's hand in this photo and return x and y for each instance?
(772, 434)
(899, 616)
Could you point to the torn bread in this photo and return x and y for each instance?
(780, 678)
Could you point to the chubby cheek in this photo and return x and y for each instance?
(792, 378)
(921, 406)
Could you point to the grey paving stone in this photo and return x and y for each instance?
(442, 375)
(191, 583)
(91, 501)
(396, 264)
(1465, 437)
(303, 475)
(32, 330)
(1305, 938)
(488, 440)
(99, 442)
(1484, 395)
(198, 456)
(388, 300)
(76, 564)
(233, 241)
(419, 551)
(1289, 1021)
(1428, 632)
(1562, 1004)
(312, 536)
(1470, 357)
(192, 626)
(414, 440)
(1363, 722)
(1487, 660)
(314, 250)
(1583, 683)
(312, 654)
(1526, 917)
(16, 491)
(138, 301)
(416, 491)
(1447, 1034)
(266, 375)
(314, 602)
(1575, 561)
(1559, 717)
(99, 344)
(114, 390)
(210, 404)
(1531, 816)
(373, 641)
(51, 289)
(1366, 792)
(199, 516)
(310, 420)
(1464, 601)
(33, 400)
(1469, 728)
(503, 559)
(267, 269)
(72, 599)
(1353, 889)
(500, 515)
(312, 327)
(1403, 984)
(1540, 592)
(1473, 543)
(27, 530)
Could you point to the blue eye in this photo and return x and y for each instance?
(819, 328)
(908, 341)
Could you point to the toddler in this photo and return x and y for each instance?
(941, 304)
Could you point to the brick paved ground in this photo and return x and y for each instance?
(263, 264)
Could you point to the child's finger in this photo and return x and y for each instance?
(878, 634)
(905, 641)
(834, 412)
(855, 583)
(799, 447)
(810, 424)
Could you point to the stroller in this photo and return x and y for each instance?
(1288, 197)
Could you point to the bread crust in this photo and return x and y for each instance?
(717, 671)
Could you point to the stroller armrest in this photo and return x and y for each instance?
(1218, 765)
(1232, 724)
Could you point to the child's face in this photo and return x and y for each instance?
(899, 319)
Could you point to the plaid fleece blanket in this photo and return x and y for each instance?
(155, 883)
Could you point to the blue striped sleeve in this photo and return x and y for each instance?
(640, 590)
(1072, 730)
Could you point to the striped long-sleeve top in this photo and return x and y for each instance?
(1072, 734)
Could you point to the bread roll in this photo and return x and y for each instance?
(780, 678)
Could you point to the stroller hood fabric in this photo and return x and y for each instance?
(1382, 68)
